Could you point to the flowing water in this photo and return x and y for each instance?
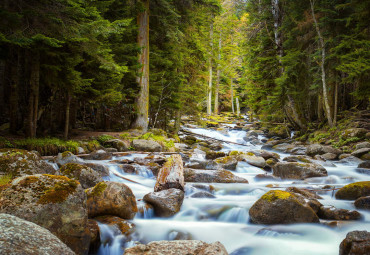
(225, 218)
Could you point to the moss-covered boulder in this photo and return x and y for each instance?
(56, 203)
(215, 154)
(166, 203)
(111, 198)
(333, 213)
(120, 145)
(253, 160)
(227, 162)
(363, 203)
(355, 243)
(17, 163)
(21, 237)
(354, 190)
(295, 170)
(279, 131)
(209, 176)
(281, 207)
(85, 175)
(354, 132)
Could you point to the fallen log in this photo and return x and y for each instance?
(171, 175)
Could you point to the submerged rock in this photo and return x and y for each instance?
(332, 213)
(99, 155)
(295, 170)
(17, 163)
(218, 176)
(85, 175)
(56, 203)
(21, 237)
(281, 207)
(363, 203)
(355, 243)
(354, 190)
(178, 247)
(111, 198)
(166, 203)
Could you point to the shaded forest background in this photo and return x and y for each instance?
(68, 64)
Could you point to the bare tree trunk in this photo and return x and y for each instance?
(218, 75)
(68, 107)
(322, 66)
(209, 98)
(142, 102)
(237, 106)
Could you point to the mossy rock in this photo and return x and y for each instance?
(56, 203)
(84, 174)
(17, 162)
(281, 207)
(354, 190)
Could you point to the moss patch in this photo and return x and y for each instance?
(273, 195)
(354, 190)
(60, 191)
(223, 160)
(71, 170)
(97, 190)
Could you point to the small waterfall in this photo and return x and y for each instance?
(112, 241)
(236, 214)
(144, 211)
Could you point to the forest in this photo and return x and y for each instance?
(114, 65)
(184, 127)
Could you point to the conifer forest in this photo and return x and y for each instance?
(177, 127)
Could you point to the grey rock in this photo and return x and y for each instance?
(362, 145)
(21, 237)
(360, 152)
(146, 145)
(355, 243)
(85, 175)
(67, 157)
(294, 170)
(208, 176)
(166, 203)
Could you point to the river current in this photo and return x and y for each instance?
(226, 219)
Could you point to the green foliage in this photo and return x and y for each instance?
(5, 179)
(104, 138)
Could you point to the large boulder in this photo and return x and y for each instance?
(319, 149)
(146, 145)
(178, 247)
(67, 157)
(354, 190)
(284, 147)
(56, 203)
(21, 237)
(227, 162)
(111, 198)
(355, 243)
(295, 170)
(362, 145)
(365, 164)
(166, 203)
(217, 176)
(360, 152)
(281, 207)
(85, 175)
(17, 163)
(171, 175)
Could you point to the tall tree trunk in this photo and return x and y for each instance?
(335, 104)
(142, 102)
(2, 87)
(237, 106)
(33, 99)
(322, 66)
(232, 95)
(14, 83)
(68, 107)
(209, 98)
(218, 74)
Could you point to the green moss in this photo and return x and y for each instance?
(223, 160)
(235, 153)
(66, 154)
(270, 162)
(26, 182)
(97, 190)
(104, 138)
(60, 191)
(71, 170)
(273, 195)
(354, 190)
(93, 145)
(5, 179)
